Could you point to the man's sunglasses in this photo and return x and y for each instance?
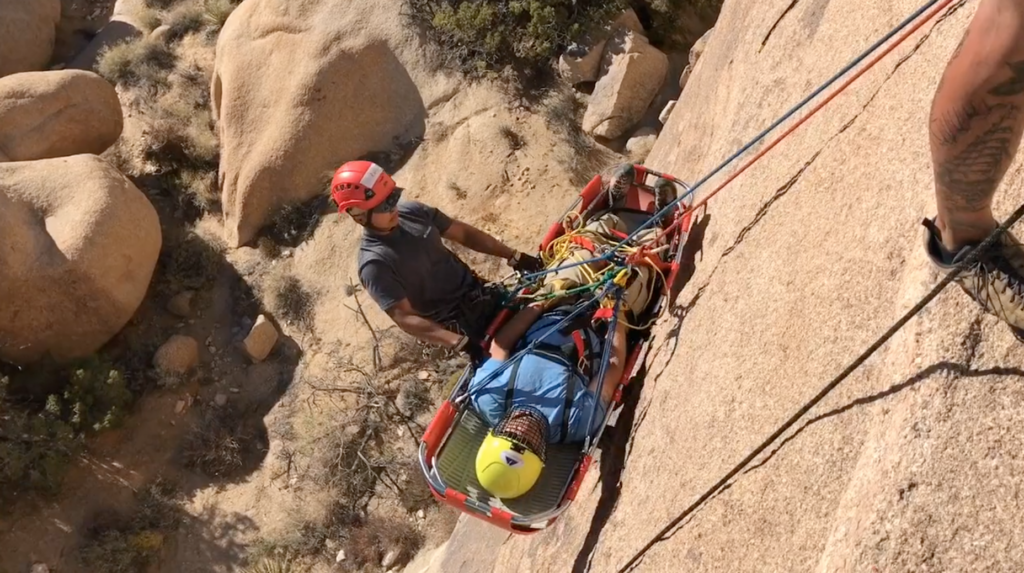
(387, 206)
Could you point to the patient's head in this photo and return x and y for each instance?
(511, 458)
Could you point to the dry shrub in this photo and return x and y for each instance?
(294, 224)
(580, 154)
(271, 565)
(292, 301)
(142, 63)
(370, 543)
(217, 11)
(119, 543)
(190, 264)
(184, 20)
(346, 462)
(161, 4)
(218, 445)
(459, 192)
(512, 137)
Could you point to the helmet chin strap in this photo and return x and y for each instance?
(367, 222)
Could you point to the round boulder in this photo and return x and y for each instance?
(56, 114)
(347, 94)
(78, 245)
(28, 29)
(177, 356)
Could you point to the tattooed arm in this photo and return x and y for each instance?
(977, 117)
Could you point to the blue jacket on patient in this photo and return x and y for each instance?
(541, 383)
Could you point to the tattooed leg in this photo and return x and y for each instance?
(977, 118)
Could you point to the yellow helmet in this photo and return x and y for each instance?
(511, 458)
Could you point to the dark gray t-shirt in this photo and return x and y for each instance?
(412, 262)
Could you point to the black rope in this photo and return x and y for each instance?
(971, 258)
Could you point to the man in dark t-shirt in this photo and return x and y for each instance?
(406, 268)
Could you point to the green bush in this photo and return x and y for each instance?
(95, 399)
(481, 36)
(36, 448)
(39, 440)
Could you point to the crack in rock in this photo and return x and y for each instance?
(776, 24)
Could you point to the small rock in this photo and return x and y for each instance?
(40, 568)
(261, 339)
(423, 375)
(641, 143)
(340, 557)
(685, 76)
(220, 399)
(421, 514)
(179, 407)
(181, 303)
(177, 356)
(389, 559)
(667, 112)
(235, 390)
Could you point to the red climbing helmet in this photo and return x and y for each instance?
(361, 185)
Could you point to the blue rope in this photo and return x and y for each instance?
(664, 211)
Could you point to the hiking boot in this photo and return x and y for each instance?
(623, 177)
(995, 280)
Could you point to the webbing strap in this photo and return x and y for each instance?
(510, 390)
(570, 396)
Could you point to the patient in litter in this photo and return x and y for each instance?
(551, 393)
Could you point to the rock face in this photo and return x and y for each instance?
(632, 73)
(76, 262)
(56, 114)
(27, 33)
(347, 94)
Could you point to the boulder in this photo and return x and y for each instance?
(28, 29)
(347, 94)
(261, 339)
(632, 71)
(697, 50)
(117, 31)
(641, 143)
(667, 112)
(56, 114)
(177, 356)
(581, 62)
(76, 261)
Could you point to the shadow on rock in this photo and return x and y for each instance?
(614, 446)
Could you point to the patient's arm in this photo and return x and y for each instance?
(508, 335)
(616, 364)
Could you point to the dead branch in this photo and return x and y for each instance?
(373, 332)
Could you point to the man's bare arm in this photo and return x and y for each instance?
(481, 242)
(423, 328)
(616, 365)
(508, 335)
